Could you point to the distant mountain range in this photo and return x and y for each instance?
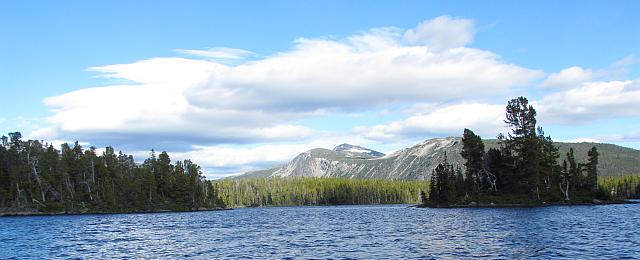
(417, 162)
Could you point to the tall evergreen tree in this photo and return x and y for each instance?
(497, 165)
(473, 153)
(591, 168)
(523, 144)
(550, 170)
(443, 181)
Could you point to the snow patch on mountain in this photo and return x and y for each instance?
(351, 150)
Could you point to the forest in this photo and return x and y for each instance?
(317, 191)
(523, 170)
(623, 187)
(40, 178)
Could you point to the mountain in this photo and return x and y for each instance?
(417, 162)
(350, 150)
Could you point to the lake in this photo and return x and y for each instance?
(365, 232)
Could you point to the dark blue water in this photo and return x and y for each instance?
(578, 232)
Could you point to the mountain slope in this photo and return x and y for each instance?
(417, 162)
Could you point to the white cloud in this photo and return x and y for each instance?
(156, 105)
(360, 72)
(590, 102)
(230, 159)
(621, 67)
(168, 73)
(576, 76)
(448, 120)
(442, 33)
(219, 53)
(581, 140)
(569, 77)
(633, 136)
(185, 101)
(227, 116)
(628, 137)
(233, 156)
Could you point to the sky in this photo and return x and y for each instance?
(243, 85)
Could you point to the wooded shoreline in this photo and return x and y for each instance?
(530, 205)
(27, 212)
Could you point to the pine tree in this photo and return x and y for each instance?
(443, 184)
(473, 153)
(591, 168)
(550, 170)
(497, 165)
(433, 190)
(523, 144)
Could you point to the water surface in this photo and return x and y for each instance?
(386, 231)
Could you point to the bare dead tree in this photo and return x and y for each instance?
(565, 189)
(490, 177)
(32, 161)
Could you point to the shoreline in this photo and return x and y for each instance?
(531, 205)
(27, 213)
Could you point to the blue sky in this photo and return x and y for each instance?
(580, 54)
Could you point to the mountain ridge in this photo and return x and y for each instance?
(418, 161)
(355, 150)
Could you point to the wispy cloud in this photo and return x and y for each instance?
(442, 33)
(443, 120)
(221, 54)
(575, 76)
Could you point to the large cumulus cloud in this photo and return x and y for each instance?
(180, 102)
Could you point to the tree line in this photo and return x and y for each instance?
(524, 169)
(621, 187)
(316, 191)
(37, 176)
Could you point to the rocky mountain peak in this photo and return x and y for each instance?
(355, 149)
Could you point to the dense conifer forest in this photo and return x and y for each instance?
(523, 170)
(317, 191)
(623, 187)
(38, 177)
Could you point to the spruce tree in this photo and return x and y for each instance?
(550, 170)
(591, 168)
(523, 144)
(473, 153)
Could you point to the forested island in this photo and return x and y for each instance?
(524, 170)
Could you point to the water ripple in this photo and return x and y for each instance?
(340, 232)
